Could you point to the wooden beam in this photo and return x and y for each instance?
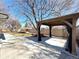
(50, 28)
(74, 36)
(69, 24)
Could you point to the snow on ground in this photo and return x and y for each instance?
(29, 48)
(77, 51)
(9, 36)
(56, 41)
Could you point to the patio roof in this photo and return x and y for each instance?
(59, 20)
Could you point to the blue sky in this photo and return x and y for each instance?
(14, 10)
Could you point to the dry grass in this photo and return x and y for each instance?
(20, 34)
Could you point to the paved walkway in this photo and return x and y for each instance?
(25, 48)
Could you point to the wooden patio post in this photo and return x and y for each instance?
(39, 34)
(50, 28)
(74, 36)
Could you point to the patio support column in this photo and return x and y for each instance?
(50, 28)
(74, 36)
(39, 34)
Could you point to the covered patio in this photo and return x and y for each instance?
(70, 22)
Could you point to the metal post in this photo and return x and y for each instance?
(50, 34)
(69, 40)
(39, 34)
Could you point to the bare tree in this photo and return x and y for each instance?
(12, 25)
(60, 6)
(37, 10)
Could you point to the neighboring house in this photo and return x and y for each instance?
(32, 31)
(12, 25)
(24, 30)
(56, 31)
(60, 31)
